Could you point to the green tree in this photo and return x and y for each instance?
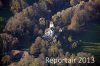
(36, 62)
(17, 5)
(73, 2)
(53, 51)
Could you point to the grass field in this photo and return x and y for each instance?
(93, 48)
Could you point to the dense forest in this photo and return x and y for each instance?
(31, 30)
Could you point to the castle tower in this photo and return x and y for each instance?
(51, 25)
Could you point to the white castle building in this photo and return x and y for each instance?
(49, 32)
